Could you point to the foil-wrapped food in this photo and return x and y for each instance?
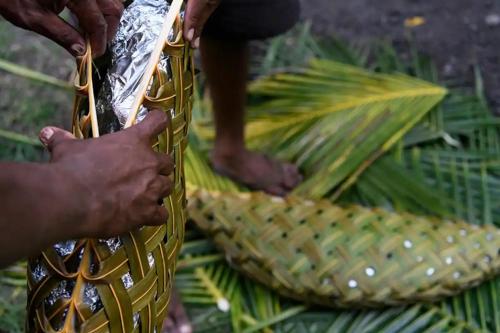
(130, 52)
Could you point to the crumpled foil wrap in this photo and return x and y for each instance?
(136, 38)
(130, 50)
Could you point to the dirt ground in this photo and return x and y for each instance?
(457, 34)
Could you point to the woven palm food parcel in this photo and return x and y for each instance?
(123, 284)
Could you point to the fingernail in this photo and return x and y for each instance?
(190, 34)
(46, 134)
(78, 49)
(196, 43)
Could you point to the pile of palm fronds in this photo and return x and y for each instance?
(375, 140)
(378, 141)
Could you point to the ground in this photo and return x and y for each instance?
(457, 34)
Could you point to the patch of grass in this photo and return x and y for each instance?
(5, 38)
(19, 152)
(25, 104)
(12, 309)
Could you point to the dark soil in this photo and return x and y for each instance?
(457, 34)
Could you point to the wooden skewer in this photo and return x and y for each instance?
(92, 108)
(175, 8)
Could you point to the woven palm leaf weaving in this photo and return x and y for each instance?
(122, 284)
(346, 257)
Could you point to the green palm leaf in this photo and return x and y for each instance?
(34, 76)
(334, 120)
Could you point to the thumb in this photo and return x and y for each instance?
(52, 136)
(152, 125)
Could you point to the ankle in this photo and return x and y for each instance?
(224, 150)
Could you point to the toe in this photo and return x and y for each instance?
(276, 190)
(291, 176)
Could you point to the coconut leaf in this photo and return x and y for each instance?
(334, 120)
(34, 76)
(19, 138)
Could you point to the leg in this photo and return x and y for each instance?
(225, 63)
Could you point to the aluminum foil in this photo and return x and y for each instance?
(39, 272)
(130, 50)
(135, 40)
(65, 248)
(62, 290)
(91, 297)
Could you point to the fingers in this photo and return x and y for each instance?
(164, 187)
(197, 14)
(91, 20)
(159, 217)
(52, 136)
(112, 11)
(153, 124)
(166, 164)
(53, 27)
(55, 6)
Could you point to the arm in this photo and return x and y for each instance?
(91, 188)
(34, 201)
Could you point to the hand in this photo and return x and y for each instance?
(98, 19)
(197, 14)
(114, 183)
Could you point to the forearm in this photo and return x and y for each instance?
(33, 211)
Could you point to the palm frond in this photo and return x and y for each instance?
(34, 76)
(334, 120)
(19, 138)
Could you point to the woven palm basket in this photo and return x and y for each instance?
(122, 284)
(347, 257)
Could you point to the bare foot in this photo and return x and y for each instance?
(257, 171)
(177, 320)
